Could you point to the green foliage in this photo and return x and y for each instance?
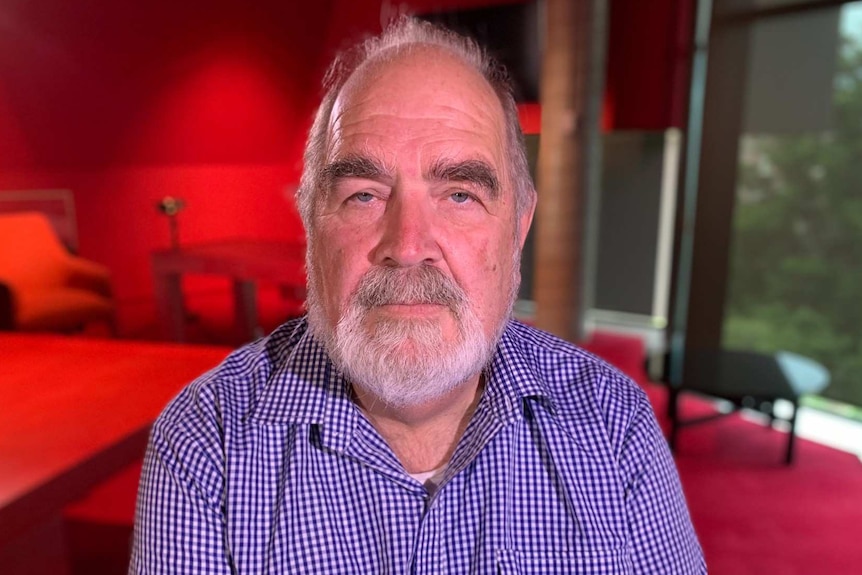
(796, 264)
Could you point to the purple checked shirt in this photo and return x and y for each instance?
(265, 465)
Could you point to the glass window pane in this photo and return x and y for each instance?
(796, 261)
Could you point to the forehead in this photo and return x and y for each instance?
(421, 92)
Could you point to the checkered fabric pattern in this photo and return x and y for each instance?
(265, 465)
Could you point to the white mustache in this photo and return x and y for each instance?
(408, 286)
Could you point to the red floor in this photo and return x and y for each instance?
(756, 515)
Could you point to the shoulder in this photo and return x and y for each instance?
(583, 388)
(227, 393)
(191, 439)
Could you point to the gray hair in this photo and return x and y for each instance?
(404, 33)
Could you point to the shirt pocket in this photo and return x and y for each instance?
(603, 561)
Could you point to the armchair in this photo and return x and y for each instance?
(46, 288)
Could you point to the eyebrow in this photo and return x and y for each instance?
(476, 172)
(354, 167)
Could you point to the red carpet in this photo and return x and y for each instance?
(754, 514)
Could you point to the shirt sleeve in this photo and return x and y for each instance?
(663, 537)
(180, 517)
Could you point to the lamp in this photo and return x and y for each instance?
(171, 207)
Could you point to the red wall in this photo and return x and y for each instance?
(126, 102)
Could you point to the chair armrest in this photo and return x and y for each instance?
(89, 275)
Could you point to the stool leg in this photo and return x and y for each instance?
(791, 436)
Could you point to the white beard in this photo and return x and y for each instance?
(404, 361)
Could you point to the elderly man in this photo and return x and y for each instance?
(407, 424)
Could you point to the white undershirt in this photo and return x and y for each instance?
(430, 479)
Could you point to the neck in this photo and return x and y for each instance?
(423, 437)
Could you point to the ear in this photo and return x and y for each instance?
(526, 219)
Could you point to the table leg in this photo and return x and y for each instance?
(169, 301)
(245, 309)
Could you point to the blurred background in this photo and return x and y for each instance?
(704, 234)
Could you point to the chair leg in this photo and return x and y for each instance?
(7, 319)
(791, 436)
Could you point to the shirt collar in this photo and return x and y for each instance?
(305, 388)
(303, 384)
(514, 376)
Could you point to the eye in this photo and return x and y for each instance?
(362, 197)
(461, 197)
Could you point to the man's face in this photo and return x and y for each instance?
(417, 179)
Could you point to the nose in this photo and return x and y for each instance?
(409, 236)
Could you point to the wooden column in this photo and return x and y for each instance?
(561, 173)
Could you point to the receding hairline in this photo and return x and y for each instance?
(386, 58)
(413, 48)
